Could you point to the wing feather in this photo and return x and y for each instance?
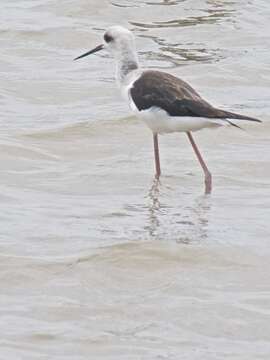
(163, 90)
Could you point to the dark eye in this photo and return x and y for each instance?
(108, 38)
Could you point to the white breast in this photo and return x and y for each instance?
(126, 85)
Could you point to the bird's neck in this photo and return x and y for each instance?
(126, 62)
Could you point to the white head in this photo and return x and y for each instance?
(117, 40)
(120, 42)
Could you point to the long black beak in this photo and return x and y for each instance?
(98, 48)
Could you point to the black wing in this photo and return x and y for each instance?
(159, 89)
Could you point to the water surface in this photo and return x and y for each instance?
(97, 259)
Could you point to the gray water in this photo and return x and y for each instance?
(98, 261)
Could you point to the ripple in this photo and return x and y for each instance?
(126, 3)
(213, 17)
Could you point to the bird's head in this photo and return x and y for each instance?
(117, 40)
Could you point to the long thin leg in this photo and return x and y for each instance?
(207, 174)
(156, 152)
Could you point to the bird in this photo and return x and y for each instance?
(164, 102)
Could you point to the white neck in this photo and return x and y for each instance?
(126, 61)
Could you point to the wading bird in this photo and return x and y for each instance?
(164, 102)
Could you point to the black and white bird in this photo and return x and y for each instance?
(164, 102)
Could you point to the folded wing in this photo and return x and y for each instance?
(159, 89)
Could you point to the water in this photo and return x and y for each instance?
(97, 260)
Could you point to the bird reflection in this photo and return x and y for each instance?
(186, 221)
(154, 208)
(194, 221)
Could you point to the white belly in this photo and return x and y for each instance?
(160, 122)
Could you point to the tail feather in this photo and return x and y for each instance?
(232, 124)
(231, 115)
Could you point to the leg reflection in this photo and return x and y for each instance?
(183, 221)
(154, 208)
(193, 222)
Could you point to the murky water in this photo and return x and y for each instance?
(97, 260)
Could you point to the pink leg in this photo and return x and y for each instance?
(207, 174)
(156, 151)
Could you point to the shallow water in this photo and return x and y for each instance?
(98, 261)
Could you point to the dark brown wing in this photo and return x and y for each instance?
(159, 89)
